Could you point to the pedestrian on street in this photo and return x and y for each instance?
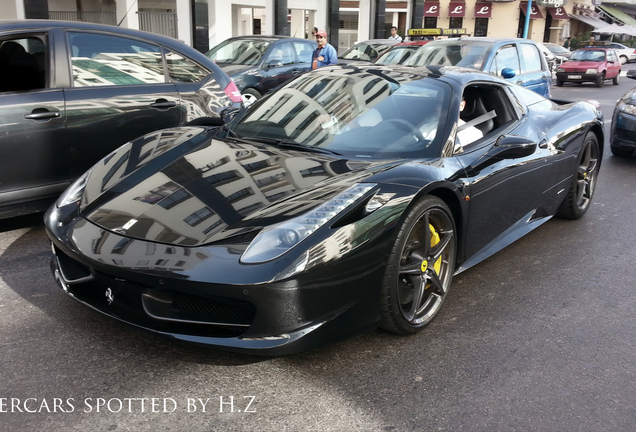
(325, 54)
(394, 35)
(567, 42)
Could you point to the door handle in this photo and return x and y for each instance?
(39, 114)
(295, 71)
(543, 144)
(162, 103)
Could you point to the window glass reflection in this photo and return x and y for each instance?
(100, 60)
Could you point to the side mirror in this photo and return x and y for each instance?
(506, 147)
(631, 74)
(274, 64)
(508, 73)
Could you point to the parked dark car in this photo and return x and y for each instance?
(590, 65)
(70, 93)
(561, 53)
(340, 202)
(367, 51)
(257, 64)
(623, 130)
(518, 60)
(399, 53)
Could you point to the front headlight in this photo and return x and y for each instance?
(627, 108)
(560, 70)
(74, 192)
(277, 239)
(591, 71)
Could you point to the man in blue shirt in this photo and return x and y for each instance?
(325, 54)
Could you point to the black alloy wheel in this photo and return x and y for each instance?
(579, 197)
(420, 268)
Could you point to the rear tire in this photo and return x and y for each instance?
(623, 60)
(581, 190)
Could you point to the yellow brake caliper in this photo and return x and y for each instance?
(434, 240)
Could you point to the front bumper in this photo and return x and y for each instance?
(623, 131)
(307, 310)
(576, 77)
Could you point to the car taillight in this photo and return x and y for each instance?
(233, 92)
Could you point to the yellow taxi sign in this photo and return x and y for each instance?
(425, 32)
(436, 32)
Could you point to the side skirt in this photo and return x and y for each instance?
(522, 227)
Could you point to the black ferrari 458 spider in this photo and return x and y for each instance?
(345, 200)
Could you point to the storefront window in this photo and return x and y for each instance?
(481, 26)
(456, 22)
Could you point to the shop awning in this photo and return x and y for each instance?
(535, 12)
(618, 15)
(558, 13)
(457, 9)
(591, 21)
(616, 29)
(483, 10)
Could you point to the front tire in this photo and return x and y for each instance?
(420, 267)
(617, 79)
(579, 196)
(250, 96)
(600, 79)
(559, 83)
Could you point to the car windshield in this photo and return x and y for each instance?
(396, 55)
(369, 113)
(588, 55)
(557, 49)
(243, 52)
(365, 52)
(468, 54)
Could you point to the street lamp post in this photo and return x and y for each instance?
(527, 24)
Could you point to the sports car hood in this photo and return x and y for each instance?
(183, 186)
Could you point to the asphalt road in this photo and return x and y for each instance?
(540, 337)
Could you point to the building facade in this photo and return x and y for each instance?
(205, 23)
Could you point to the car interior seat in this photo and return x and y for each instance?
(18, 68)
(474, 108)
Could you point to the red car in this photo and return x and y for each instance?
(590, 65)
(400, 52)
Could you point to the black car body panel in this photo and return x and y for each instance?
(159, 236)
(88, 92)
(623, 129)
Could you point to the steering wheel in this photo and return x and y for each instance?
(407, 126)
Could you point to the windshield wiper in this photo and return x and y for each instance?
(292, 145)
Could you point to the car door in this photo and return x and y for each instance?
(304, 52)
(33, 140)
(613, 64)
(118, 91)
(535, 74)
(279, 65)
(502, 189)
